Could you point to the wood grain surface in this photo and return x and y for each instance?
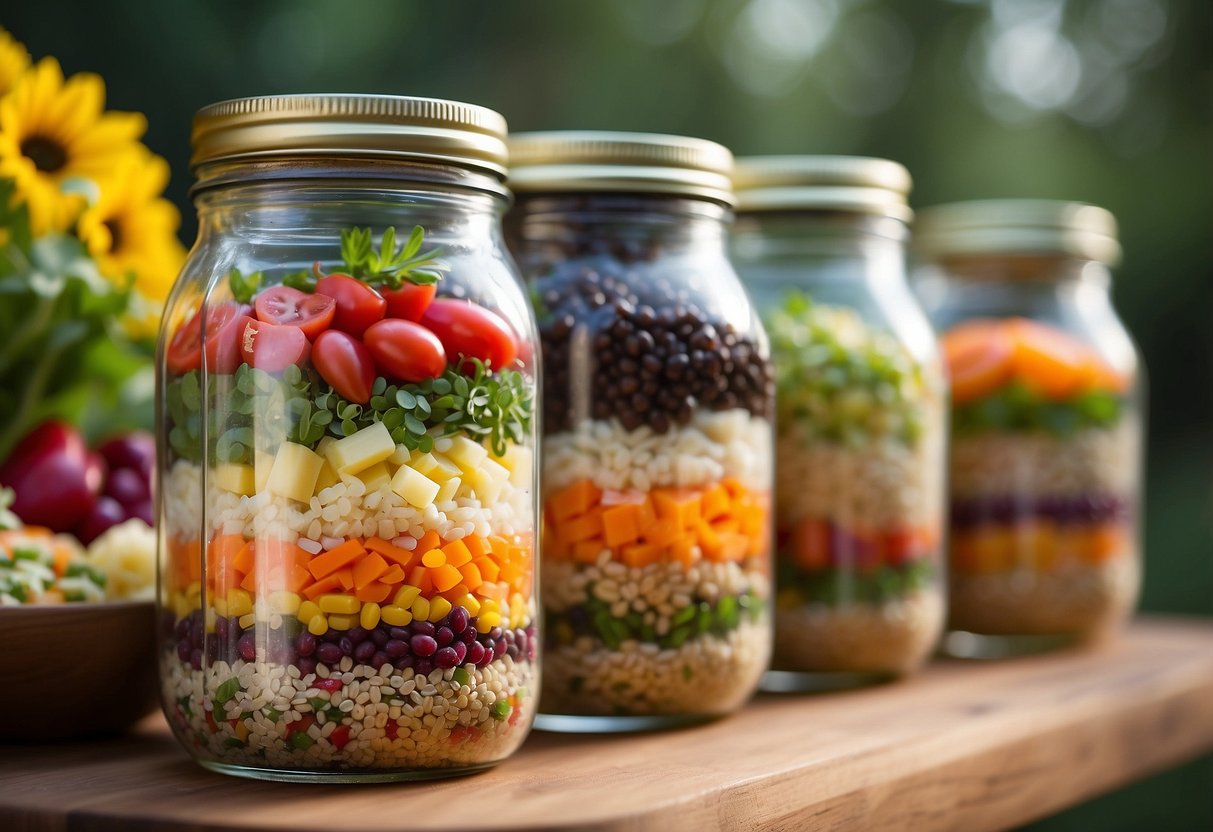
(961, 747)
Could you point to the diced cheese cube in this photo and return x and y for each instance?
(466, 454)
(435, 466)
(375, 477)
(262, 464)
(238, 479)
(487, 480)
(449, 489)
(414, 488)
(361, 450)
(327, 476)
(401, 456)
(521, 461)
(295, 471)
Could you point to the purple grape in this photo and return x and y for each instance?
(458, 621)
(469, 636)
(196, 659)
(328, 653)
(495, 634)
(305, 644)
(444, 636)
(499, 649)
(141, 511)
(182, 628)
(423, 628)
(424, 667)
(396, 648)
(379, 637)
(347, 645)
(423, 645)
(128, 487)
(403, 663)
(106, 513)
(461, 652)
(358, 635)
(446, 658)
(401, 633)
(184, 648)
(380, 659)
(475, 653)
(135, 450)
(247, 647)
(306, 665)
(523, 642)
(364, 651)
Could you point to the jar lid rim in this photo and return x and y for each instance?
(350, 125)
(860, 184)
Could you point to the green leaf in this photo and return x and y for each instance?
(226, 690)
(244, 287)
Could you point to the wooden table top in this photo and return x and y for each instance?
(967, 746)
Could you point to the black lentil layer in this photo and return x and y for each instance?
(655, 353)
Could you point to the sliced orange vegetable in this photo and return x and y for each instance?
(373, 593)
(457, 553)
(488, 568)
(621, 524)
(640, 555)
(580, 528)
(429, 540)
(496, 591)
(1047, 359)
(330, 583)
(683, 551)
(681, 506)
(329, 562)
(445, 577)
(587, 551)
(391, 552)
(979, 357)
(394, 575)
(243, 561)
(662, 533)
(477, 546)
(368, 569)
(574, 500)
(716, 502)
(471, 575)
(433, 559)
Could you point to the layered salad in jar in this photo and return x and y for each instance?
(859, 495)
(1045, 455)
(349, 521)
(657, 457)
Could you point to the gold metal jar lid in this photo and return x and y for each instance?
(602, 161)
(823, 183)
(1017, 226)
(346, 126)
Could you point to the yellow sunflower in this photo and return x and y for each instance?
(55, 137)
(14, 60)
(132, 233)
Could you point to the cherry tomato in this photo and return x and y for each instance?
(404, 350)
(270, 347)
(285, 305)
(222, 347)
(358, 305)
(409, 301)
(471, 331)
(345, 364)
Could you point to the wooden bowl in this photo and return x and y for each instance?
(75, 671)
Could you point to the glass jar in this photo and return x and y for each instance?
(657, 430)
(1047, 415)
(347, 490)
(820, 243)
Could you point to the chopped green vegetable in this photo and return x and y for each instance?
(226, 690)
(1016, 407)
(391, 265)
(501, 709)
(244, 288)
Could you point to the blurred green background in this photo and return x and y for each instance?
(1106, 101)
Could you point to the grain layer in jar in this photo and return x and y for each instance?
(1047, 414)
(656, 430)
(820, 243)
(348, 502)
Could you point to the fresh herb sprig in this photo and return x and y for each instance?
(391, 265)
(244, 287)
(1017, 408)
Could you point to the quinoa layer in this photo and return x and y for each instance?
(359, 719)
(707, 676)
(1077, 599)
(892, 637)
(1093, 461)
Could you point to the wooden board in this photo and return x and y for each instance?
(963, 746)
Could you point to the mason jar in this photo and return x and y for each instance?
(657, 430)
(1047, 419)
(861, 411)
(346, 404)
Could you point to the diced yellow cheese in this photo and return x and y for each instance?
(295, 471)
(487, 480)
(435, 466)
(401, 456)
(414, 488)
(520, 461)
(361, 450)
(263, 462)
(467, 454)
(238, 479)
(375, 477)
(449, 489)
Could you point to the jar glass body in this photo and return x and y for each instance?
(346, 582)
(860, 449)
(1046, 450)
(656, 448)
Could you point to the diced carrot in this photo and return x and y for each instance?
(368, 569)
(662, 533)
(250, 582)
(471, 575)
(587, 551)
(476, 546)
(223, 548)
(456, 592)
(185, 558)
(373, 593)
(640, 555)
(243, 561)
(429, 540)
(457, 553)
(709, 541)
(716, 502)
(390, 552)
(978, 354)
(683, 507)
(418, 576)
(512, 572)
(346, 578)
(444, 577)
(573, 501)
(497, 591)
(329, 562)
(297, 578)
(394, 574)
(1104, 541)
(621, 524)
(329, 583)
(1048, 359)
(580, 528)
(726, 525)
(488, 567)
(734, 546)
(683, 550)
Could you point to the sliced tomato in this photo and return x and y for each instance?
(404, 350)
(979, 357)
(271, 347)
(409, 301)
(223, 336)
(811, 544)
(345, 364)
(184, 351)
(471, 331)
(288, 306)
(358, 305)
